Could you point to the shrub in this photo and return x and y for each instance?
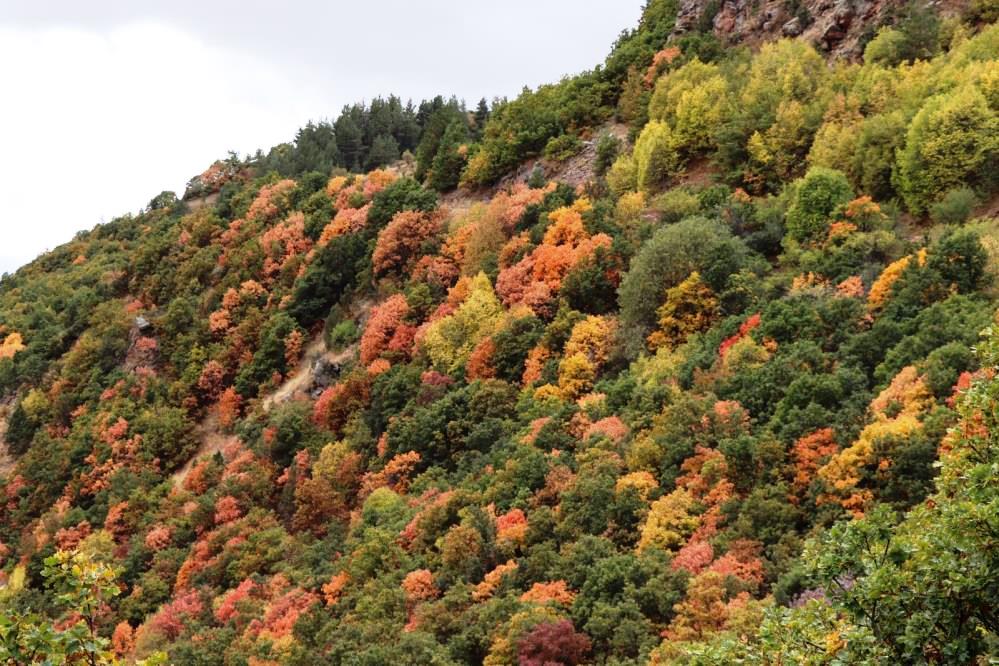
(672, 254)
(955, 206)
(656, 156)
(675, 205)
(342, 335)
(623, 175)
(608, 147)
(815, 198)
(951, 142)
(561, 148)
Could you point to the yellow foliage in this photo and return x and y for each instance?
(566, 228)
(576, 374)
(449, 341)
(592, 337)
(881, 289)
(896, 413)
(643, 482)
(629, 207)
(690, 307)
(330, 458)
(669, 522)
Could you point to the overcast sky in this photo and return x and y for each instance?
(108, 102)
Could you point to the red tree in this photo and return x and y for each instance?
(551, 643)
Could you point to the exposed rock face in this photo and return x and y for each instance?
(835, 27)
(325, 373)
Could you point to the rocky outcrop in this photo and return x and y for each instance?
(835, 27)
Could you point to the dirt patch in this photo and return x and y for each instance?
(212, 440)
(300, 383)
(297, 387)
(202, 202)
(6, 460)
(988, 209)
(700, 173)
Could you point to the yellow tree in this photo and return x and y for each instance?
(670, 522)
(690, 307)
(449, 341)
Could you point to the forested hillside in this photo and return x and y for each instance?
(687, 359)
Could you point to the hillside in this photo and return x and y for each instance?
(687, 359)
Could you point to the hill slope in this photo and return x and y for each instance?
(676, 361)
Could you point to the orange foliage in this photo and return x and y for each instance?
(809, 453)
(177, 614)
(693, 557)
(419, 586)
(741, 561)
(479, 364)
(744, 330)
(660, 61)
(282, 614)
(399, 243)
(555, 592)
(337, 403)
(219, 321)
(122, 639)
(227, 510)
(346, 221)
(511, 526)
(896, 413)
(293, 347)
(229, 404)
(396, 474)
(333, 590)
(611, 427)
(211, 379)
(270, 200)
(492, 580)
(705, 610)
(535, 363)
(283, 242)
(851, 287)
(69, 538)
(882, 287)
(227, 609)
(383, 328)
(376, 181)
(159, 537)
(116, 522)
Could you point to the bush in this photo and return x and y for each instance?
(983, 12)
(815, 198)
(886, 48)
(342, 335)
(608, 148)
(950, 143)
(561, 148)
(955, 206)
(691, 100)
(672, 254)
(623, 175)
(403, 194)
(675, 205)
(656, 156)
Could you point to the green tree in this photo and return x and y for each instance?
(951, 142)
(815, 198)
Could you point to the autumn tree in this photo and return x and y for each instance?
(409, 235)
(690, 307)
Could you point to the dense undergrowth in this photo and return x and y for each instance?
(747, 418)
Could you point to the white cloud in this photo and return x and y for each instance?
(96, 125)
(110, 102)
